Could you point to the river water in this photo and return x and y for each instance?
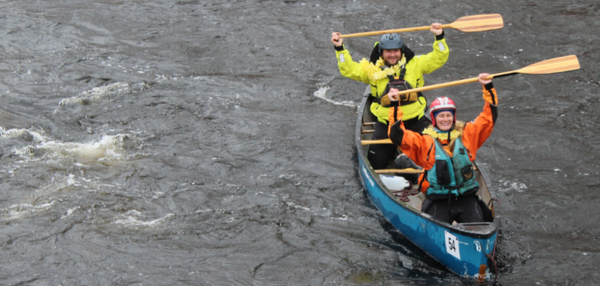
(211, 142)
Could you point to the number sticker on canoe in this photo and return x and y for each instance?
(452, 245)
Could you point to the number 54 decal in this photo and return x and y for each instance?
(452, 245)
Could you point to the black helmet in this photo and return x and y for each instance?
(390, 42)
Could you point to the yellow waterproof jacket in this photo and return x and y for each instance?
(415, 68)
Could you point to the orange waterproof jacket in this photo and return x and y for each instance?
(421, 148)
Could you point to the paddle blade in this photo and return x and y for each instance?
(478, 23)
(555, 65)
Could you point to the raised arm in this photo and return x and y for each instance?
(439, 56)
(480, 129)
(348, 67)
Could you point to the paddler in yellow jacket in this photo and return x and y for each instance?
(393, 65)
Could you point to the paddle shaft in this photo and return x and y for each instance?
(423, 28)
(445, 84)
(473, 23)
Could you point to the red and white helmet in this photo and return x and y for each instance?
(442, 104)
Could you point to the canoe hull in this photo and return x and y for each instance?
(460, 253)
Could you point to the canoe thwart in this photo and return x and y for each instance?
(399, 171)
(380, 141)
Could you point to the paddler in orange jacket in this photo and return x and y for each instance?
(446, 150)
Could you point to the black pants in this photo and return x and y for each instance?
(380, 154)
(459, 209)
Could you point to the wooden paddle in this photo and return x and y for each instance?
(474, 23)
(555, 65)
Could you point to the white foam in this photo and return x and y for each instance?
(69, 212)
(20, 210)
(293, 205)
(71, 181)
(322, 92)
(97, 93)
(36, 136)
(133, 218)
(108, 147)
(515, 186)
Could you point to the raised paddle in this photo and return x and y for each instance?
(555, 65)
(474, 23)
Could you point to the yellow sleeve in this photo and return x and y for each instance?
(350, 68)
(435, 59)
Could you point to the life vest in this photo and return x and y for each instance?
(416, 66)
(451, 175)
(400, 84)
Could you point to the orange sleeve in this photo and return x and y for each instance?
(419, 148)
(478, 130)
